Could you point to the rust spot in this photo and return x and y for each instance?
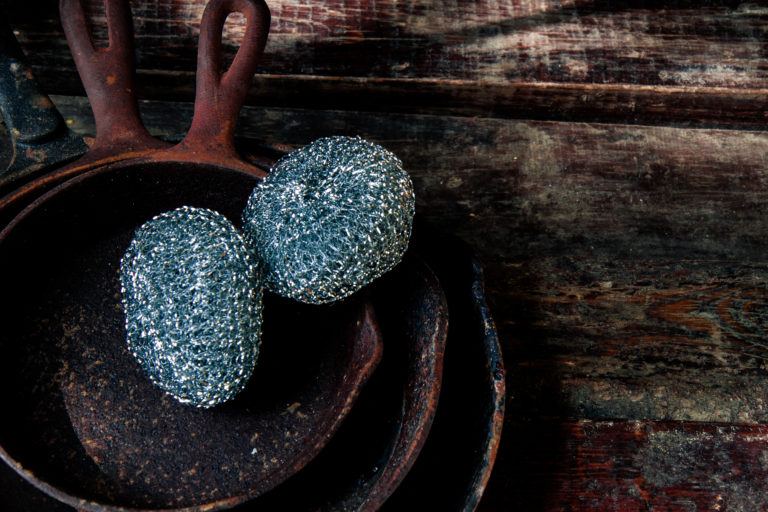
(111, 79)
(44, 102)
(37, 155)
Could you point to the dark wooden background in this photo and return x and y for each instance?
(608, 160)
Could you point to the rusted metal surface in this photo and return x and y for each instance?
(35, 133)
(218, 96)
(108, 77)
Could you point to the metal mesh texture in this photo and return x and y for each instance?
(330, 218)
(192, 296)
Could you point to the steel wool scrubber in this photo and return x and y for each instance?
(330, 218)
(192, 298)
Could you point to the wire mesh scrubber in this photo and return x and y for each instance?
(192, 298)
(330, 218)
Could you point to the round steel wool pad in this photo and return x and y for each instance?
(330, 218)
(192, 296)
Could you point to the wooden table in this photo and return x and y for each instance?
(608, 160)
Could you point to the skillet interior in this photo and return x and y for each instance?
(80, 414)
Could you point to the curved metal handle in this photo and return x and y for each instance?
(108, 76)
(38, 136)
(219, 96)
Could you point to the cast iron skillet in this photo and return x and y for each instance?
(83, 423)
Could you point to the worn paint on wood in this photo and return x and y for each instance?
(542, 59)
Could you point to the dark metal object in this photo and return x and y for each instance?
(108, 77)
(36, 134)
(470, 408)
(88, 428)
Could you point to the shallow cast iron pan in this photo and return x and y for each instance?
(392, 418)
(85, 418)
(473, 397)
(86, 426)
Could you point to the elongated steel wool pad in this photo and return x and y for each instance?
(192, 298)
(330, 218)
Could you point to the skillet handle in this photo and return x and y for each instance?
(108, 77)
(219, 96)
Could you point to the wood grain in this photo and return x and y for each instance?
(630, 466)
(626, 264)
(650, 62)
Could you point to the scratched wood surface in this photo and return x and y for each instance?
(607, 159)
(688, 62)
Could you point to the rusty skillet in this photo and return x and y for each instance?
(82, 422)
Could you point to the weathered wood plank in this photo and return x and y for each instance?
(542, 59)
(703, 44)
(627, 264)
(580, 466)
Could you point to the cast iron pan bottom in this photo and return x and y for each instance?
(78, 411)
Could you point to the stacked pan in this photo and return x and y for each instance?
(392, 398)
